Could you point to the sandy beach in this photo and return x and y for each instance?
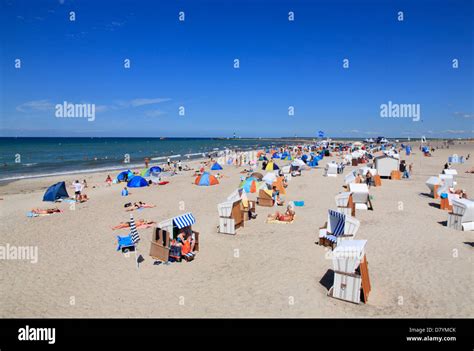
(418, 267)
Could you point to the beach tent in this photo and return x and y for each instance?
(206, 179)
(249, 185)
(313, 162)
(276, 155)
(56, 191)
(154, 169)
(271, 166)
(257, 175)
(216, 167)
(137, 182)
(125, 175)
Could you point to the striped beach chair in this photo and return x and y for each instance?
(338, 227)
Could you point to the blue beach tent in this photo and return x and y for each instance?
(216, 167)
(137, 182)
(56, 191)
(122, 175)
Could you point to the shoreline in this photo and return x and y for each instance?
(157, 160)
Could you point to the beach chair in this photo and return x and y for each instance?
(433, 184)
(338, 227)
(231, 217)
(360, 196)
(351, 273)
(265, 198)
(331, 169)
(345, 204)
(462, 215)
(129, 243)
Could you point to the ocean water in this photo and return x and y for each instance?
(35, 157)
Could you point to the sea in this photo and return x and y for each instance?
(22, 158)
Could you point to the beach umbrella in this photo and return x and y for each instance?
(206, 179)
(257, 175)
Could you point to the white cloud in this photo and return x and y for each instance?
(142, 102)
(155, 113)
(454, 131)
(35, 105)
(463, 114)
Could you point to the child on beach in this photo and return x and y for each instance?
(108, 180)
(125, 192)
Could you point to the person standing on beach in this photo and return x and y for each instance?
(180, 166)
(77, 190)
(169, 162)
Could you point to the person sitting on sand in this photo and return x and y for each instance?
(288, 216)
(276, 197)
(47, 211)
(125, 192)
(83, 198)
(470, 170)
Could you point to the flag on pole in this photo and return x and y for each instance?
(321, 134)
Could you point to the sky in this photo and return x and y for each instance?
(284, 65)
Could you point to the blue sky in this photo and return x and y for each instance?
(282, 64)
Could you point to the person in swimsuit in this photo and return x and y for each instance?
(288, 216)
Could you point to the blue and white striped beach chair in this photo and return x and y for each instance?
(338, 227)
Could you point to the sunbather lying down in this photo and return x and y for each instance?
(47, 211)
(141, 223)
(139, 204)
(470, 170)
(288, 216)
